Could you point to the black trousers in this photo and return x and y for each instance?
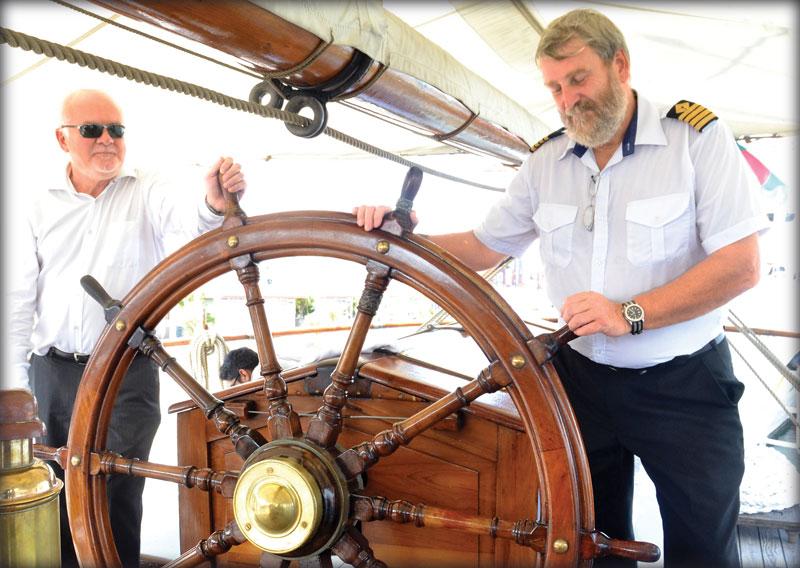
(134, 421)
(681, 418)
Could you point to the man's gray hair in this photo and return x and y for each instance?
(591, 27)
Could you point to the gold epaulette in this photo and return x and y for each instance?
(695, 115)
(550, 136)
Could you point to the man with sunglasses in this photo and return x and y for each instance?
(99, 218)
(648, 224)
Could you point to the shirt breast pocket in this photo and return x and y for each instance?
(657, 228)
(556, 223)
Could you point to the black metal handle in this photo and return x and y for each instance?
(547, 345)
(111, 307)
(402, 212)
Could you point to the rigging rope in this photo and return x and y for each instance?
(203, 346)
(765, 351)
(84, 59)
(789, 412)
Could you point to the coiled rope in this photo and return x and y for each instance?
(94, 62)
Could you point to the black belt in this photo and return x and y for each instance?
(64, 356)
(679, 359)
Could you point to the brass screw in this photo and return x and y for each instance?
(560, 546)
(233, 241)
(517, 361)
(120, 325)
(75, 460)
(247, 526)
(382, 247)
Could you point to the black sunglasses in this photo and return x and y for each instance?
(92, 130)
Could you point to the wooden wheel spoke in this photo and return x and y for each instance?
(245, 439)
(354, 549)
(217, 543)
(282, 422)
(358, 459)
(524, 532)
(104, 463)
(324, 428)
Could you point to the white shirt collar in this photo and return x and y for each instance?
(65, 183)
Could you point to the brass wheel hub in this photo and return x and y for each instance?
(277, 504)
(291, 500)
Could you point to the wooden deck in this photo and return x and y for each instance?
(768, 540)
(767, 547)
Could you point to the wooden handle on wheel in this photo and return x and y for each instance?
(632, 549)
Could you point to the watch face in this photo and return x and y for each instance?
(634, 312)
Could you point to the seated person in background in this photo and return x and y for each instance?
(238, 366)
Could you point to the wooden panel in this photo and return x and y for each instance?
(431, 384)
(194, 505)
(476, 436)
(420, 478)
(517, 485)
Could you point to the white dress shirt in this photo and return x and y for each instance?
(117, 238)
(668, 198)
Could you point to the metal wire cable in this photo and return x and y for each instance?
(777, 398)
(765, 351)
(94, 62)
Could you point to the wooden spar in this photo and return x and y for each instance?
(265, 43)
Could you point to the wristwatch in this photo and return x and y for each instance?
(634, 315)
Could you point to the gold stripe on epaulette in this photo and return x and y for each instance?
(558, 132)
(693, 114)
(700, 123)
(685, 108)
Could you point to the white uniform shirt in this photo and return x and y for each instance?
(117, 238)
(668, 198)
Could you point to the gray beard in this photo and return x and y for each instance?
(594, 124)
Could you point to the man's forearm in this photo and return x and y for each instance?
(468, 249)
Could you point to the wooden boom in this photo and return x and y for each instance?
(266, 43)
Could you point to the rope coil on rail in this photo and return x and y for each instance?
(84, 59)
